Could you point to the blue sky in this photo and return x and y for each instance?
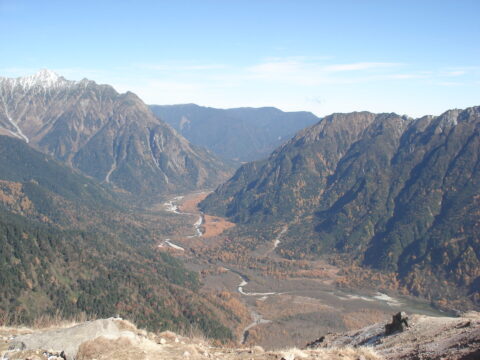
(410, 57)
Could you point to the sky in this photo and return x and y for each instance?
(409, 57)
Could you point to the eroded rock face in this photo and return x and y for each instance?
(112, 137)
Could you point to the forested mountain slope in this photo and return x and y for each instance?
(394, 193)
(68, 247)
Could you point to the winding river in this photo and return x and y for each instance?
(172, 206)
(257, 318)
(330, 295)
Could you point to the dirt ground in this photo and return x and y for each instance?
(212, 225)
(189, 202)
(116, 339)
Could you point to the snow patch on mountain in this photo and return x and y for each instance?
(44, 78)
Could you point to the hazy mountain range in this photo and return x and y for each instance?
(242, 134)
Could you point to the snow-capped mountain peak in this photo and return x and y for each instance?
(44, 78)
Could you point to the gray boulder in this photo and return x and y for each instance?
(67, 341)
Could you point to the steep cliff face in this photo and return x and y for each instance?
(394, 193)
(110, 136)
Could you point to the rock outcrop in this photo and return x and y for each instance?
(427, 338)
(399, 323)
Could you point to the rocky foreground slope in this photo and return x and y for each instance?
(118, 339)
(425, 338)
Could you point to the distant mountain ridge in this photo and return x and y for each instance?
(112, 137)
(391, 192)
(241, 134)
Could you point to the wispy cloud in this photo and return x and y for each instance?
(277, 67)
(292, 83)
(296, 70)
(458, 71)
(407, 76)
(455, 73)
(450, 83)
(360, 66)
(302, 64)
(174, 86)
(180, 67)
(311, 72)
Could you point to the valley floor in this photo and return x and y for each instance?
(282, 305)
(287, 301)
